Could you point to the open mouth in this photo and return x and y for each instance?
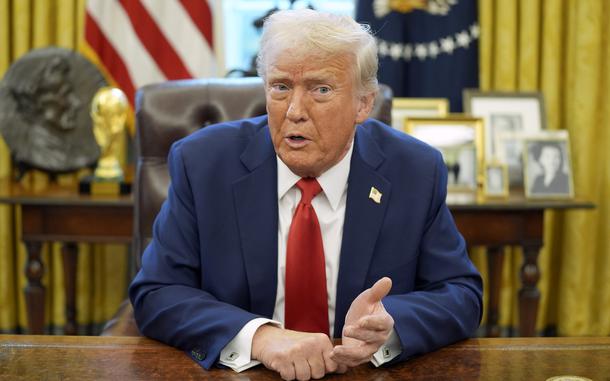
(296, 141)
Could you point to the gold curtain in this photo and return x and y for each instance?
(102, 269)
(561, 48)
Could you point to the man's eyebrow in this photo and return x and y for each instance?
(319, 77)
(277, 75)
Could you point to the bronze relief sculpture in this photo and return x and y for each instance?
(44, 111)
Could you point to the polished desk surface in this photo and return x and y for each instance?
(137, 358)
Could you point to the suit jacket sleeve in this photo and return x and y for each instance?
(170, 302)
(446, 303)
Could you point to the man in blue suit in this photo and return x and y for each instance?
(219, 278)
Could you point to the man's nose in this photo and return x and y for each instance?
(296, 109)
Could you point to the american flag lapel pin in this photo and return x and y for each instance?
(375, 195)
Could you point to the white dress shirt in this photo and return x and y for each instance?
(330, 210)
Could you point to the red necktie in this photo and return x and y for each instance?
(306, 306)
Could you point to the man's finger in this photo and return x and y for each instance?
(377, 322)
(352, 356)
(360, 353)
(367, 335)
(379, 290)
(330, 365)
(301, 369)
(286, 371)
(317, 367)
(341, 368)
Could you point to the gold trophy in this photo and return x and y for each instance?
(109, 109)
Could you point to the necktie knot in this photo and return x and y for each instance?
(309, 187)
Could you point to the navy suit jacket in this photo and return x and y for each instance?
(212, 264)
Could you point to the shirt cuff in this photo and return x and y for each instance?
(388, 351)
(237, 353)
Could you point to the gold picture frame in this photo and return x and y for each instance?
(548, 167)
(495, 182)
(404, 108)
(460, 138)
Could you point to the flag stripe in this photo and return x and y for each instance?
(138, 42)
(200, 13)
(109, 56)
(175, 23)
(154, 40)
(116, 26)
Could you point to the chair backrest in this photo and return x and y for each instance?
(169, 111)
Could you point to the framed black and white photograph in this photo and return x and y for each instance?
(495, 183)
(460, 140)
(509, 150)
(508, 117)
(404, 108)
(548, 170)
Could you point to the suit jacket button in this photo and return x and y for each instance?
(198, 354)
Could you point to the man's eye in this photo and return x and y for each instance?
(323, 89)
(280, 87)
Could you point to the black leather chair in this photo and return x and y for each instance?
(169, 111)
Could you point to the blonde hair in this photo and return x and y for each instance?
(306, 31)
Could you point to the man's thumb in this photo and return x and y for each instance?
(380, 289)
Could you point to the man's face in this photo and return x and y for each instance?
(313, 107)
(550, 159)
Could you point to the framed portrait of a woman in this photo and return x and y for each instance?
(548, 170)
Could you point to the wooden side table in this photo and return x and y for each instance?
(509, 222)
(61, 214)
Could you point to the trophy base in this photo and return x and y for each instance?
(92, 186)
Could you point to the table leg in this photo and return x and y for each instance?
(529, 295)
(69, 253)
(34, 291)
(495, 260)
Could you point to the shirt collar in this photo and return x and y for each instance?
(333, 181)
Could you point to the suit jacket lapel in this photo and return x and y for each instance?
(363, 220)
(256, 207)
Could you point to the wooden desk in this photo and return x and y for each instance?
(130, 358)
(60, 214)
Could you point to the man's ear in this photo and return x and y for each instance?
(365, 105)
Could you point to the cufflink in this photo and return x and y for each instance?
(386, 352)
(375, 195)
(232, 356)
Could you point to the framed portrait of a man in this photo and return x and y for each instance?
(508, 117)
(460, 140)
(548, 169)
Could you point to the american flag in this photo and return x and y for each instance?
(137, 42)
